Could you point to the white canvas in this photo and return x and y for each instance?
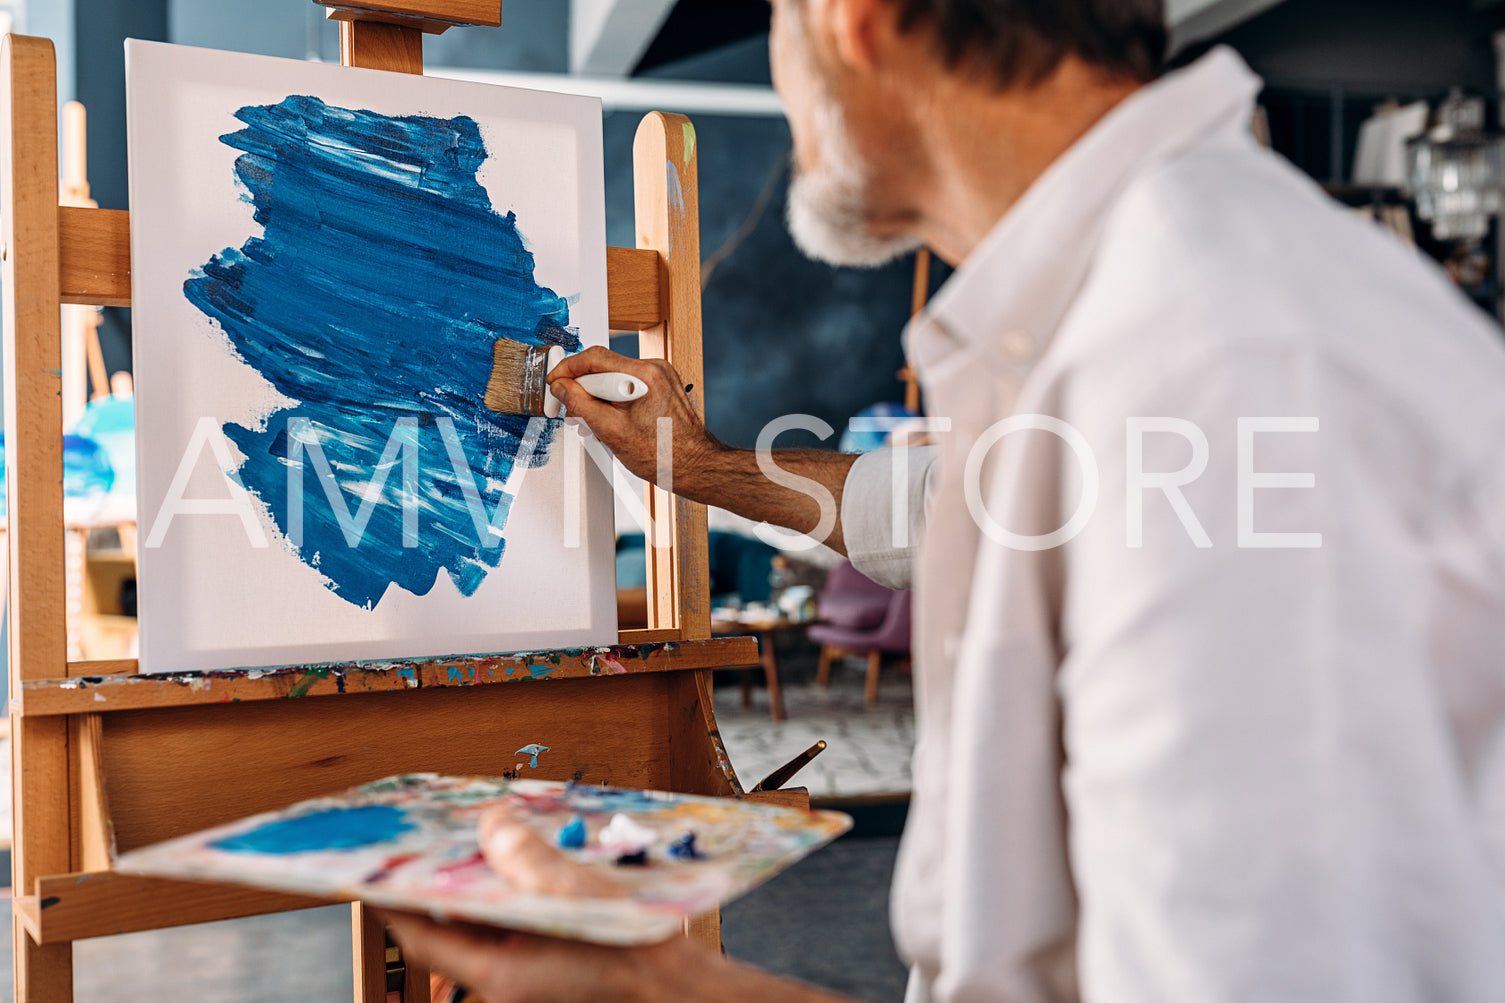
(344, 255)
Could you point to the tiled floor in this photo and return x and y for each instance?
(867, 748)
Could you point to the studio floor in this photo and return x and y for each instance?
(867, 748)
(825, 921)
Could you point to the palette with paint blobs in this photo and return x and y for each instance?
(411, 843)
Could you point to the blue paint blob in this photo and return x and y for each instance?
(684, 848)
(335, 829)
(372, 297)
(111, 422)
(572, 836)
(87, 473)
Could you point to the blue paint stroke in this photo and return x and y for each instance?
(611, 800)
(676, 197)
(334, 829)
(532, 752)
(372, 297)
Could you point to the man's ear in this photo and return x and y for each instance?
(861, 29)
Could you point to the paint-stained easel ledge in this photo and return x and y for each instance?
(82, 693)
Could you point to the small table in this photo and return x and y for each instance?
(764, 630)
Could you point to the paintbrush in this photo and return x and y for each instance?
(781, 776)
(517, 381)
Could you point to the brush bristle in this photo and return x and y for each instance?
(516, 384)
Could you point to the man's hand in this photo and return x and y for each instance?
(631, 430)
(506, 967)
(703, 469)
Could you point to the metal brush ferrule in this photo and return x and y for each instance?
(535, 368)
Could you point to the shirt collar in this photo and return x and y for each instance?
(1011, 293)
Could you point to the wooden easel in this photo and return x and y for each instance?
(105, 758)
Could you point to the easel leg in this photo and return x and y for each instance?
(368, 942)
(705, 930)
(874, 664)
(44, 974)
(41, 845)
(771, 676)
(416, 984)
(823, 672)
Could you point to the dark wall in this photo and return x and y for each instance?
(1373, 45)
(1328, 63)
(100, 28)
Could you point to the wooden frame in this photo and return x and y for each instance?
(106, 758)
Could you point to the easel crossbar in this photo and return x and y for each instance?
(94, 256)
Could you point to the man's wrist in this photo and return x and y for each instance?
(707, 472)
(679, 971)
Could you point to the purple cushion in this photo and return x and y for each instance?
(891, 635)
(853, 612)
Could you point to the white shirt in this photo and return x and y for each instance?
(1203, 773)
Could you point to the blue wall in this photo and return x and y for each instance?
(296, 29)
(533, 35)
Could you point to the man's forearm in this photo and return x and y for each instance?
(687, 973)
(732, 479)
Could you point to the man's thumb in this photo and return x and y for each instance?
(578, 403)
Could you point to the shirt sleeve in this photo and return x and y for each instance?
(883, 512)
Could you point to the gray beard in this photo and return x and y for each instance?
(830, 211)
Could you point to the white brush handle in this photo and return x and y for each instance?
(616, 387)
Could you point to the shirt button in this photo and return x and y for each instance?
(1017, 345)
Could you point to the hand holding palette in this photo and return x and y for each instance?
(412, 843)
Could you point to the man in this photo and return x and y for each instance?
(1211, 590)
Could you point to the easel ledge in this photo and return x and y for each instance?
(102, 687)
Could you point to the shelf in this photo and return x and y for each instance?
(74, 906)
(102, 687)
